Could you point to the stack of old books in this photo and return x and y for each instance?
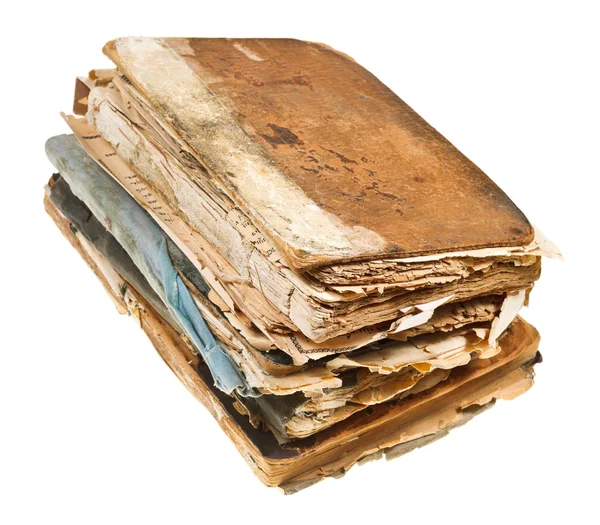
(318, 265)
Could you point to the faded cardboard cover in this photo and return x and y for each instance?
(326, 161)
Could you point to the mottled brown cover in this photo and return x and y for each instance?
(387, 179)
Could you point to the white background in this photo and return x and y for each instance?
(93, 426)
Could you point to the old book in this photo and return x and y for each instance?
(324, 252)
(326, 301)
(390, 430)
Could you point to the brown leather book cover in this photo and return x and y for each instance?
(326, 161)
